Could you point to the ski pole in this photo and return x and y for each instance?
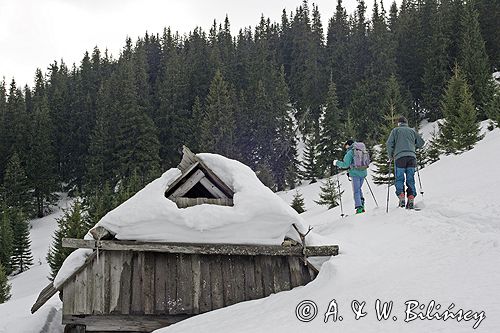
(340, 193)
(388, 184)
(372, 193)
(419, 182)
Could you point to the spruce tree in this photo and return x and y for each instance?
(16, 120)
(196, 121)
(284, 157)
(298, 202)
(394, 107)
(359, 46)
(365, 109)
(473, 59)
(173, 110)
(494, 107)
(311, 170)
(436, 71)
(489, 16)
(4, 137)
(265, 175)
(329, 195)
(70, 225)
(16, 191)
(6, 240)
(21, 258)
(98, 161)
(432, 150)
(409, 50)
(97, 204)
(41, 160)
(332, 132)
(218, 124)
(338, 42)
(460, 129)
(4, 286)
(136, 147)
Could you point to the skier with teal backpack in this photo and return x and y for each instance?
(357, 160)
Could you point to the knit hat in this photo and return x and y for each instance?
(349, 142)
(402, 120)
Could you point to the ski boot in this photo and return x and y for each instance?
(402, 201)
(410, 203)
(360, 210)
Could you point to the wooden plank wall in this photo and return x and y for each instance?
(150, 283)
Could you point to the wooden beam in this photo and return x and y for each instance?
(100, 233)
(188, 184)
(115, 323)
(185, 173)
(188, 158)
(50, 290)
(43, 297)
(212, 189)
(189, 202)
(192, 248)
(217, 181)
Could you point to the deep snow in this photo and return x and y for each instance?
(448, 252)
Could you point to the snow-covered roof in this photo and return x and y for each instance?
(258, 216)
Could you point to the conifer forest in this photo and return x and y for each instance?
(103, 128)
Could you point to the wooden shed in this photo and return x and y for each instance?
(136, 286)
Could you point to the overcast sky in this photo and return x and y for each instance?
(34, 33)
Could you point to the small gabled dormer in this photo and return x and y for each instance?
(198, 184)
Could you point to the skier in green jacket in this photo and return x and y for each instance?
(358, 176)
(401, 147)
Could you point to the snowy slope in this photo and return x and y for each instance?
(15, 314)
(448, 252)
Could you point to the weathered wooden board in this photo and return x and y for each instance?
(164, 285)
(171, 280)
(205, 302)
(148, 282)
(125, 298)
(190, 202)
(80, 290)
(239, 264)
(69, 297)
(196, 285)
(97, 277)
(187, 185)
(116, 266)
(212, 249)
(184, 285)
(266, 264)
(216, 282)
(212, 188)
(117, 323)
(137, 300)
(228, 281)
(160, 295)
(188, 159)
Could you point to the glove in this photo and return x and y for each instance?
(335, 162)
